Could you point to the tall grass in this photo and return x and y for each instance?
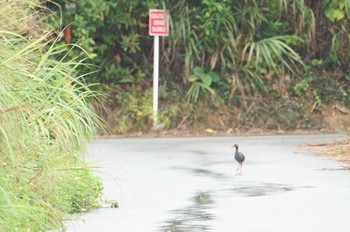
(45, 122)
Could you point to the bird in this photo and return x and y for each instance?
(239, 157)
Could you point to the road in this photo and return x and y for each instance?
(190, 184)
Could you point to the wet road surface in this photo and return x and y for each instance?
(190, 184)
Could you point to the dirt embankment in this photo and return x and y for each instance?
(337, 149)
(338, 119)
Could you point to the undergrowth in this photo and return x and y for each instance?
(270, 112)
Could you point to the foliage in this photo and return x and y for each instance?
(200, 82)
(258, 48)
(336, 10)
(138, 115)
(45, 123)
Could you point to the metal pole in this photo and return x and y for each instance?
(155, 79)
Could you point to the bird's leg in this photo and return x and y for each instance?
(240, 168)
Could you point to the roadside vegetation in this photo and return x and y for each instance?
(226, 66)
(45, 123)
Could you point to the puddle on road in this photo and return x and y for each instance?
(200, 152)
(206, 172)
(194, 217)
(197, 216)
(203, 172)
(258, 189)
(243, 188)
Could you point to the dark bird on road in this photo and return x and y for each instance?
(239, 157)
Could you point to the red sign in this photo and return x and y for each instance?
(158, 22)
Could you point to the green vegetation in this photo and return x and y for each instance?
(45, 123)
(223, 64)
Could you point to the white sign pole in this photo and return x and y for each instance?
(158, 26)
(155, 79)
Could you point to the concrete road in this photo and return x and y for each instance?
(190, 184)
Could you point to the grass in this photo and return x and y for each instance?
(45, 124)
